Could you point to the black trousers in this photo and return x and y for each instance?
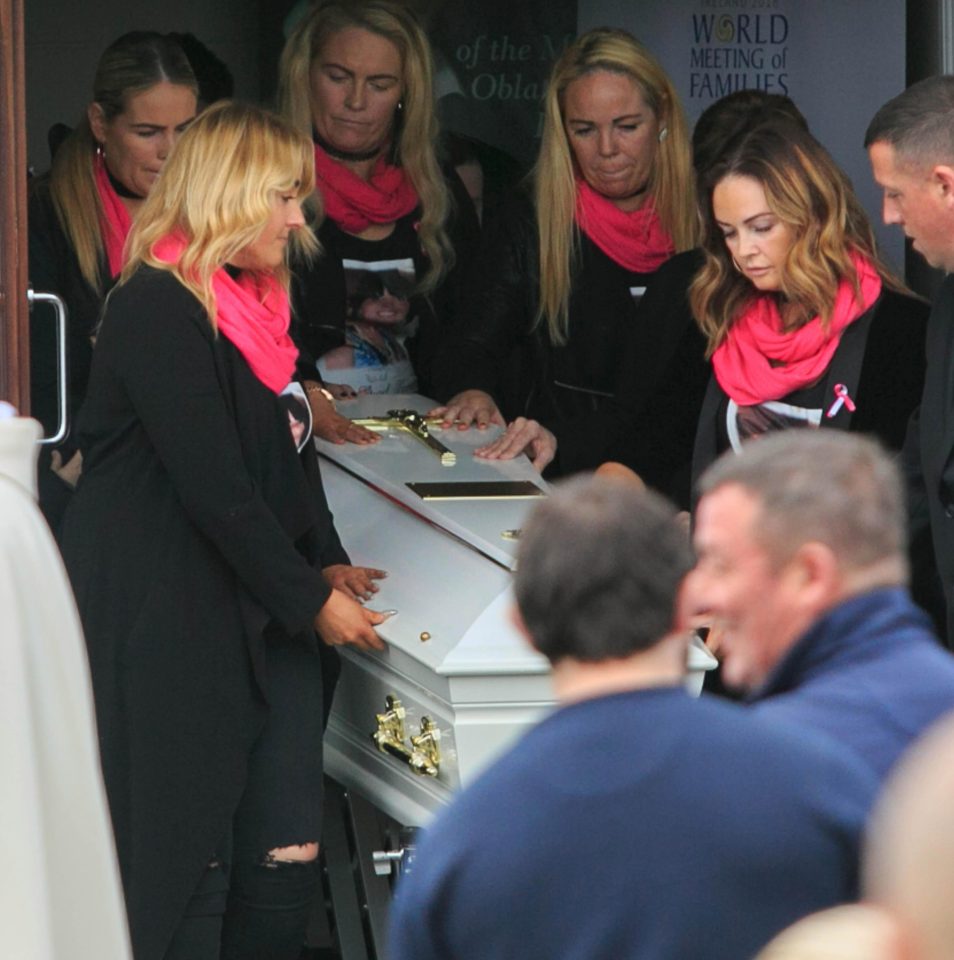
(247, 904)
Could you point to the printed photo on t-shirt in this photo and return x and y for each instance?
(745, 422)
(295, 404)
(379, 319)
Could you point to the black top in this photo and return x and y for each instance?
(880, 359)
(196, 538)
(627, 384)
(319, 295)
(805, 407)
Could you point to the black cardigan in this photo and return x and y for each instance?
(638, 371)
(196, 538)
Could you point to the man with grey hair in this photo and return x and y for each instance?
(635, 821)
(910, 142)
(801, 562)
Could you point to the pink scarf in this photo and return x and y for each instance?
(253, 313)
(742, 361)
(115, 222)
(354, 204)
(635, 240)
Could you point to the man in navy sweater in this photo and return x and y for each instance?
(635, 822)
(800, 540)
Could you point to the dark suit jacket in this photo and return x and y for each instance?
(929, 450)
(195, 539)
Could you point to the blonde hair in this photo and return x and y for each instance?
(134, 63)
(415, 145)
(671, 183)
(807, 191)
(217, 191)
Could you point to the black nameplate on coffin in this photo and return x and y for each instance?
(478, 490)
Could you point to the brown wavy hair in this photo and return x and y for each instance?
(806, 190)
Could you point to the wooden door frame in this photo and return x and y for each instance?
(14, 311)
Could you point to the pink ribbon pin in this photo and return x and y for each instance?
(841, 399)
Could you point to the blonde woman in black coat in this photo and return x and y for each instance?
(204, 558)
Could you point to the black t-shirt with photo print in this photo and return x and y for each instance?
(799, 409)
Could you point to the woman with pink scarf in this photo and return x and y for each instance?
(806, 326)
(577, 329)
(357, 77)
(144, 96)
(204, 560)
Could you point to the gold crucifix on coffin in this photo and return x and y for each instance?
(416, 425)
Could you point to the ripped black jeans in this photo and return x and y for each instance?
(250, 905)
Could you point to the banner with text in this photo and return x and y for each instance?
(838, 61)
(494, 58)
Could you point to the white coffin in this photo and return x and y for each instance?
(453, 655)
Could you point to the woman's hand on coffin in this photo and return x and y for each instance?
(329, 425)
(355, 582)
(522, 436)
(344, 622)
(469, 408)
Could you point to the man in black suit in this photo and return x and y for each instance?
(910, 143)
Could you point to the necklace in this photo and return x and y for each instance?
(348, 156)
(122, 189)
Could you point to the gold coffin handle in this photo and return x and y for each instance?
(422, 753)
